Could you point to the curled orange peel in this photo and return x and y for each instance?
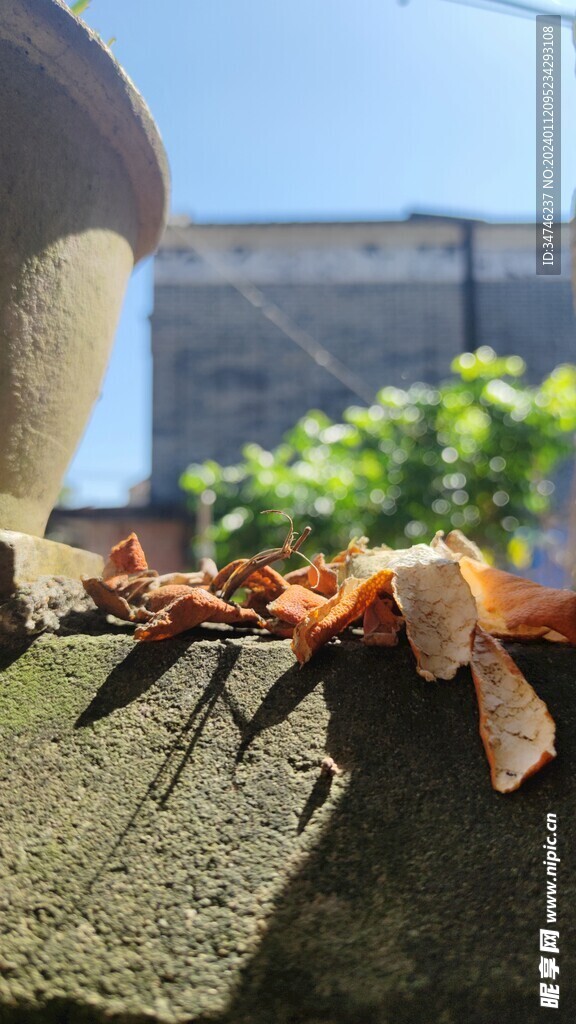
(440, 614)
(516, 727)
(318, 576)
(516, 608)
(381, 624)
(190, 610)
(108, 599)
(338, 612)
(163, 596)
(125, 557)
(224, 574)
(266, 583)
(451, 602)
(294, 604)
(299, 576)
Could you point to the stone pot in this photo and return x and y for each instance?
(83, 195)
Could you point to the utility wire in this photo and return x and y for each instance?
(521, 9)
(303, 339)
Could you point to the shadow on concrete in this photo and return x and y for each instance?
(141, 668)
(65, 1011)
(91, 622)
(11, 651)
(282, 698)
(168, 775)
(227, 658)
(318, 797)
(422, 901)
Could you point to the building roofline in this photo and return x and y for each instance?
(164, 511)
(184, 222)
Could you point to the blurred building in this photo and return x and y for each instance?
(255, 324)
(165, 532)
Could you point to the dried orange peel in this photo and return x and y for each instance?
(319, 576)
(515, 608)
(440, 615)
(450, 602)
(125, 557)
(266, 583)
(190, 610)
(381, 624)
(455, 545)
(516, 727)
(161, 597)
(338, 612)
(433, 590)
(294, 604)
(109, 600)
(434, 600)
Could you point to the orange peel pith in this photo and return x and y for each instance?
(516, 727)
(440, 616)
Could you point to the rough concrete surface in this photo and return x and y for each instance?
(25, 559)
(170, 850)
(56, 604)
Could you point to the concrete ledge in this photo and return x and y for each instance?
(24, 558)
(170, 851)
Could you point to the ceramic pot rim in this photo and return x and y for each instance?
(53, 39)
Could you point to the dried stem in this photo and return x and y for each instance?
(291, 546)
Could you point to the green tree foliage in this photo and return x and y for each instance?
(477, 452)
(79, 7)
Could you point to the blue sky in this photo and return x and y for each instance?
(316, 109)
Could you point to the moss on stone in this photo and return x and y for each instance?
(46, 682)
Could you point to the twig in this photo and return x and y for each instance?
(291, 546)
